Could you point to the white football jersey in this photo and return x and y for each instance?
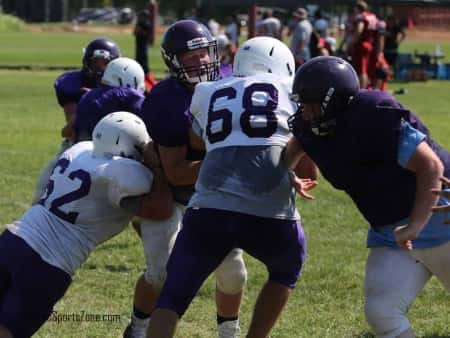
(81, 206)
(243, 111)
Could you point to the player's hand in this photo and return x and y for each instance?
(404, 235)
(68, 131)
(444, 193)
(302, 185)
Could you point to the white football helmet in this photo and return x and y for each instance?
(124, 72)
(120, 134)
(264, 54)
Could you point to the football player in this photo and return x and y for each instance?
(94, 190)
(70, 87)
(381, 154)
(244, 196)
(378, 69)
(122, 87)
(363, 40)
(190, 53)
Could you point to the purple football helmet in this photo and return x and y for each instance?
(184, 36)
(330, 81)
(101, 48)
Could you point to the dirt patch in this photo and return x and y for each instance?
(427, 34)
(413, 34)
(86, 28)
(83, 28)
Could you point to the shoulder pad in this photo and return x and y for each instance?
(126, 178)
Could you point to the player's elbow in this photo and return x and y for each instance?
(429, 173)
(436, 168)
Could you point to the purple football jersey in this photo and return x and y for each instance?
(68, 86)
(226, 70)
(101, 101)
(165, 113)
(361, 157)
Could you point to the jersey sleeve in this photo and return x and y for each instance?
(83, 123)
(409, 139)
(68, 88)
(131, 100)
(127, 178)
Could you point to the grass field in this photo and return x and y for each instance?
(328, 299)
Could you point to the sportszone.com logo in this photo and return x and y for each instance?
(82, 316)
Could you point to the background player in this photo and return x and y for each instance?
(121, 88)
(70, 87)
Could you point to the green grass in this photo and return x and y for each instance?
(422, 46)
(328, 299)
(9, 23)
(46, 48)
(64, 49)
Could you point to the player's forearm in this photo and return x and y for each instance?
(427, 178)
(184, 173)
(70, 111)
(306, 168)
(158, 205)
(293, 153)
(151, 157)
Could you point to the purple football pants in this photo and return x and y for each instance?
(208, 235)
(29, 287)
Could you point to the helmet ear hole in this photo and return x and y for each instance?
(124, 72)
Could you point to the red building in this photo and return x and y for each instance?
(434, 14)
